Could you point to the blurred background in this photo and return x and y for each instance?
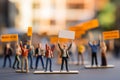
(48, 17)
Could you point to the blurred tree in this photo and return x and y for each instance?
(107, 16)
(4, 14)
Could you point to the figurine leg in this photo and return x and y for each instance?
(42, 62)
(36, 65)
(62, 64)
(46, 65)
(96, 60)
(66, 62)
(22, 64)
(50, 65)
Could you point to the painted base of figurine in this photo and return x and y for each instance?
(98, 67)
(56, 72)
(20, 71)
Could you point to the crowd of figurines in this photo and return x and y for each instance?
(27, 51)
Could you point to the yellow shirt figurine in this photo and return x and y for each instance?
(81, 50)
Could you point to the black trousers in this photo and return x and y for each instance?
(94, 57)
(5, 58)
(37, 60)
(64, 60)
(103, 60)
(17, 60)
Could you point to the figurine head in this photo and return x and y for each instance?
(39, 45)
(17, 45)
(64, 46)
(94, 42)
(8, 45)
(25, 46)
(29, 42)
(103, 43)
(48, 47)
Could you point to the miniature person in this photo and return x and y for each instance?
(64, 55)
(17, 58)
(103, 54)
(24, 57)
(30, 54)
(49, 56)
(7, 53)
(39, 52)
(94, 48)
(81, 50)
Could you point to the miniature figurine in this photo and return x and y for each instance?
(7, 53)
(24, 57)
(103, 54)
(64, 55)
(81, 50)
(30, 54)
(17, 58)
(94, 48)
(39, 52)
(49, 56)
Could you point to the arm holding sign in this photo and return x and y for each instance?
(90, 44)
(59, 45)
(70, 46)
(98, 43)
(21, 45)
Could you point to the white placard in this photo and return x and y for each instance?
(67, 34)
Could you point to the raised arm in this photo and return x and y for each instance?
(33, 50)
(46, 46)
(21, 45)
(89, 43)
(98, 43)
(59, 46)
(53, 47)
(70, 46)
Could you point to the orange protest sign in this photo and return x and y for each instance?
(89, 24)
(79, 32)
(53, 39)
(29, 33)
(63, 40)
(9, 37)
(111, 34)
(76, 28)
(77, 36)
(85, 26)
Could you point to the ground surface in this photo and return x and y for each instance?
(85, 74)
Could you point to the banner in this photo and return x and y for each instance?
(53, 39)
(29, 33)
(9, 37)
(89, 24)
(111, 34)
(67, 34)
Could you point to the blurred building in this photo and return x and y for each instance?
(4, 15)
(50, 16)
